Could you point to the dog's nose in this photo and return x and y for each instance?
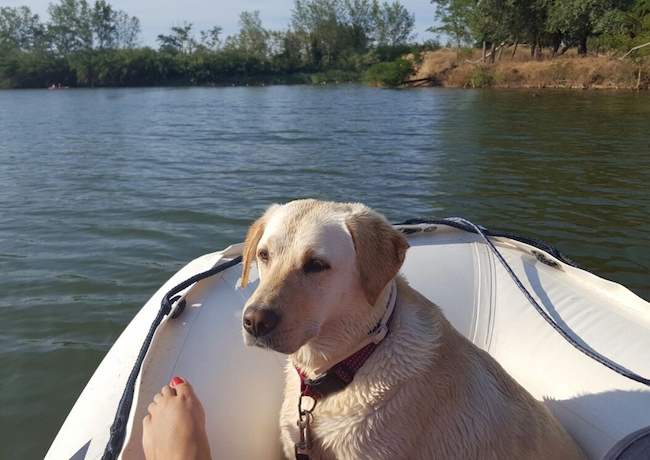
(259, 321)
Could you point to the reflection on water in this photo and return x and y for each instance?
(105, 193)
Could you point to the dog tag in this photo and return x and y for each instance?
(302, 446)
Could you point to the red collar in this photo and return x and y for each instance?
(339, 376)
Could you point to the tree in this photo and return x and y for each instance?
(185, 37)
(498, 21)
(319, 22)
(394, 24)
(576, 20)
(456, 17)
(362, 24)
(20, 29)
(181, 40)
(628, 32)
(285, 48)
(76, 26)
(127, 30)
(210, 39)
(103, 24)
(70, 26)
(361, 14)
(253, 37)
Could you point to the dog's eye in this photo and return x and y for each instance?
(315, 265)
(263, 255)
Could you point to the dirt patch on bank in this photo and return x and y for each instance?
(445, 68)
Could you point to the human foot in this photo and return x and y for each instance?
(175, 426)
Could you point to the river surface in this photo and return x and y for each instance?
(106, 193)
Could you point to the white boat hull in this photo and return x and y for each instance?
(241, 387)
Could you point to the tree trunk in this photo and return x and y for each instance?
(638, 80)
(493, 52)
(556, 46)
(484, 48)
(514, 51)
(501, 52)
(582, 46)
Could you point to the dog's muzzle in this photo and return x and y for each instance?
(259, 321)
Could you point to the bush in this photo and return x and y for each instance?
(480, 78)
(390, 74)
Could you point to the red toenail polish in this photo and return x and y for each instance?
(175, 381)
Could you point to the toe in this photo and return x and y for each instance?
(184, 389)
(168, 391)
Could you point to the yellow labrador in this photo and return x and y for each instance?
(328, 277)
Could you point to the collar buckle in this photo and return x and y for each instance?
(332, 381)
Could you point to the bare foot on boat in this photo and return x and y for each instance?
(175, 426)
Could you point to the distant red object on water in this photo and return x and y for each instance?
(59, 86)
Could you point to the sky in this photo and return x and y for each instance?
(158, 16)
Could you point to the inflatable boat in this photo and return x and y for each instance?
(579, 343)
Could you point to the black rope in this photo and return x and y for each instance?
(464, 224)
(118, 429)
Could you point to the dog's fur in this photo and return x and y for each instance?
(426, 393)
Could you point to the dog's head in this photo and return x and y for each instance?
(316, 260)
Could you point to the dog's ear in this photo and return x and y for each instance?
(250, 247)
(380, 250)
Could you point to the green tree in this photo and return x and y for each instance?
(20, 29)
(319, 21)
(252, 38)
(103, 24)
(394, 24)
(210, 39)
(127, 30)
(575, 20)
(70, 26)
(455, 17)
(181, 40)
(360, 19)
(513, 21)
(628, 32)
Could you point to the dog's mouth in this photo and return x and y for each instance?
(286, 341)
(269, 342)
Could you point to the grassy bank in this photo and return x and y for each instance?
(441, 68)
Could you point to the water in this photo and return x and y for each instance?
(105, 193)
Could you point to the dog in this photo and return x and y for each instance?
(328, 277)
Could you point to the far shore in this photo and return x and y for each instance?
(443, 68)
